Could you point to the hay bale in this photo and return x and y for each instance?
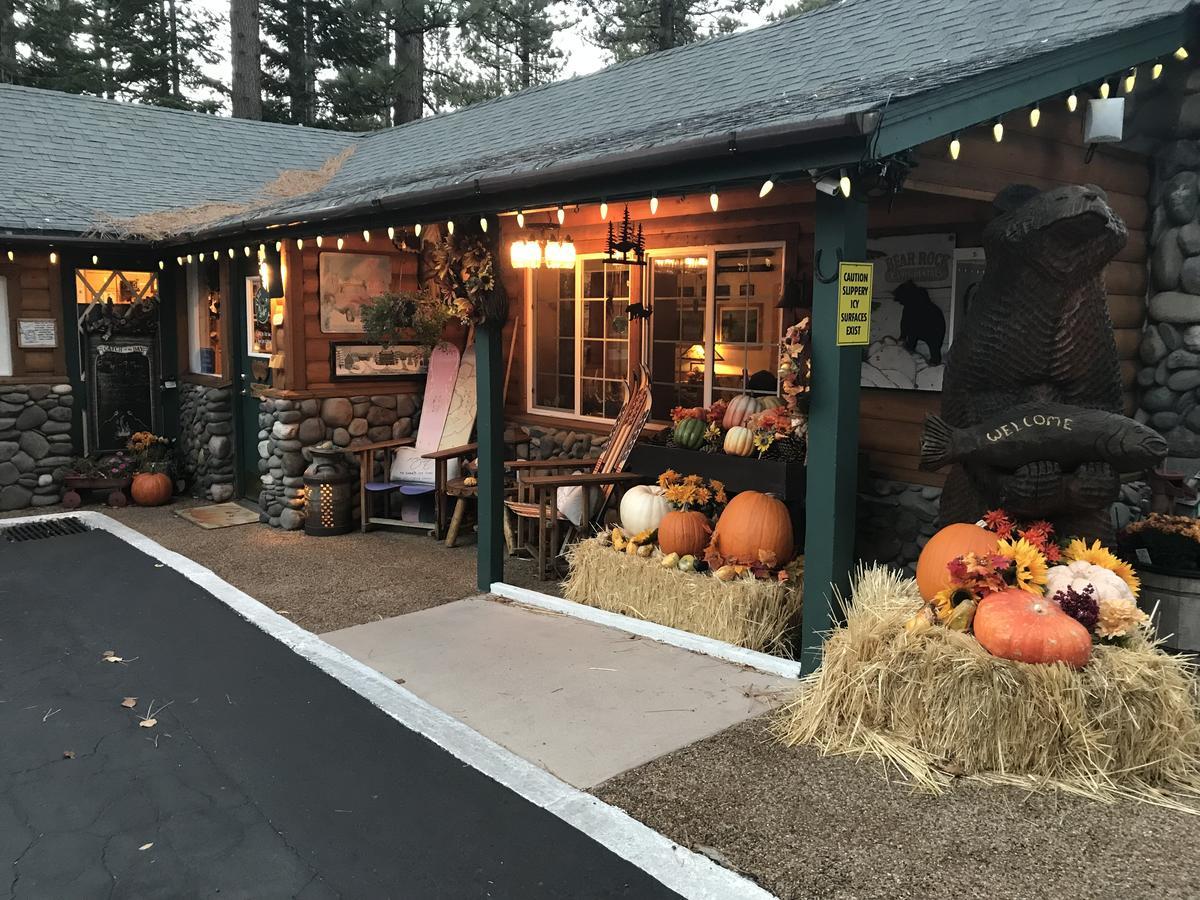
(747, 612)
(937, 704)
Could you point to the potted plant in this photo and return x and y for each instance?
(112, 473)
(152, 483)
(409, 316)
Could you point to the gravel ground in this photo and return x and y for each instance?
(321, 584)
(807, 827)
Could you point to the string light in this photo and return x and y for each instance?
(562, 214)
(603, 209)
(279, 246)
(299, 243)
(713, 200)
(483, 223)
(95, 259)
(231, 253)
(391, 233)
(201, 258)
(998, 131)
(366, 236)
(520, 220)
(262, 250)
(179, 260)
(12, 256)
(1104, 90)
(1156, 71)
(767, 187)
(161, 265)
(955, 146)
(1181, 54)
(450, 226)
(1072, 102)
(341, 242)
(844, 184)
(54, 259)
(654, 204)
(189, 259)
(417, 229)
(1035, 115)
(1130, 80)
(320, 240)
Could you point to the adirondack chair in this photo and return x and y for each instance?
(416, 467)
(541, 495)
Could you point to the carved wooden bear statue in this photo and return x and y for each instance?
(1038, 331)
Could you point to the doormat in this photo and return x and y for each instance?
(219, 515)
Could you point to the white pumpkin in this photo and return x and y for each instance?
(642, 508)
(1078, 575)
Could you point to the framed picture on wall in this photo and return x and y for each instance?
(260, 341)
(348, 280)
(350, 360)
(738, 323)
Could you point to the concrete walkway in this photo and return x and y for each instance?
(582, 701)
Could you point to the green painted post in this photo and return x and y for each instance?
(841, 227)
(489, 361)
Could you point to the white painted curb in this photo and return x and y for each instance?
(689, 874)
(763, 662)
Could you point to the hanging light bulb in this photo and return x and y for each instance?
(520, 219)
(161, 265)
(11, 256)
(1130, 80)
(767, 187)
(341, 242)
(1035, 115)
(713, 200)
(262, 250)
(1156, 71)
(320, 240)
(450, 226)
(299, 243)
(201, 258)
(279, 246)
(603, 210)
(417, 229)
(366, 236)
(483, 223)
(955, 146)
(1181, 54)
(189, 259)
(844, 184)
(54, 259)
(391, 233)
(179, 260)
(998, 131)
(654, 204)
(95, 259)
(562, 214)
(1104, 90)
(1072, 102)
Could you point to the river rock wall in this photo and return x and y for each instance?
(36, 447)
(206, 453)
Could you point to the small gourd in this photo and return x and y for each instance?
(689, 433)
(687, 563)
(670, 561)
(1079, 574)
(1015, 624)
(739, 441)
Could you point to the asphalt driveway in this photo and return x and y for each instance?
(260, 776)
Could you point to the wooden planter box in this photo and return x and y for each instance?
(1177, 595)
(786, 480)
(75, 486)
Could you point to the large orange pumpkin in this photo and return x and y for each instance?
(685, 532)
(949, 543)
(1015, 624)
(151, 488)
(754, 526)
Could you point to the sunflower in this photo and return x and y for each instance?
(1029, 562)
(1079, 551)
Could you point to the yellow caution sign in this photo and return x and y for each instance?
(854, 303)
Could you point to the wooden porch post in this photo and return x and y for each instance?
(489, 358)
(841, 229)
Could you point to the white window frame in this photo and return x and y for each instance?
(710, 300)
(530, 366)
(6, 356)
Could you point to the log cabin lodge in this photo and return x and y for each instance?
(733, 157)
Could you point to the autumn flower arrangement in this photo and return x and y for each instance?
(151, 452)
(1087, 581)
(693, 493)
(795, 364)
(1170, 542)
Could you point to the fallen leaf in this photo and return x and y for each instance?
(146, 846)
(157, 566)
(107, 653)
(68, 754)
(113, 658)
(129, 702)
(147, 723)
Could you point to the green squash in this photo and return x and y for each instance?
(689, 433)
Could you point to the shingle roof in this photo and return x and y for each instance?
(852, 56)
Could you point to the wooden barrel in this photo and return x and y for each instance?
(1178, 600)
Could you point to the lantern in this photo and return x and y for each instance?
(329, 493)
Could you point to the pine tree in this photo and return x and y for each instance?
(507, 47)
(52, 37)
(631, 28)
(8, 42)
(246, 86)
(159, 50)
(291, 56)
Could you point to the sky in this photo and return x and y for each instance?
(582, 56)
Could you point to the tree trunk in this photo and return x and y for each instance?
(666, 24)
(409, 66)
(8, 43)
(296, 18)
(173, 62)
(247, 67)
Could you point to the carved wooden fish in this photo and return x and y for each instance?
(1068, 435)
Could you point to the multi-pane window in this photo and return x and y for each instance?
(746, 322)
(676, 344)
(580, 340)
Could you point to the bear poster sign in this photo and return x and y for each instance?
(912, 311)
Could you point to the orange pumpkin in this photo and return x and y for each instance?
(755, 527)
(685, 532)
(151, 488)
(949, 543)
(1015, 624)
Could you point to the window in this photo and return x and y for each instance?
(580, 339)
(6, 367)
(715, 329)
(203, 318)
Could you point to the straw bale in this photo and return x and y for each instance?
(937, 705)
(748, 612)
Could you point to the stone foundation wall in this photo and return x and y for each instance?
(555, 443)
(36, 448)
(288, 427)
(206, 455)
